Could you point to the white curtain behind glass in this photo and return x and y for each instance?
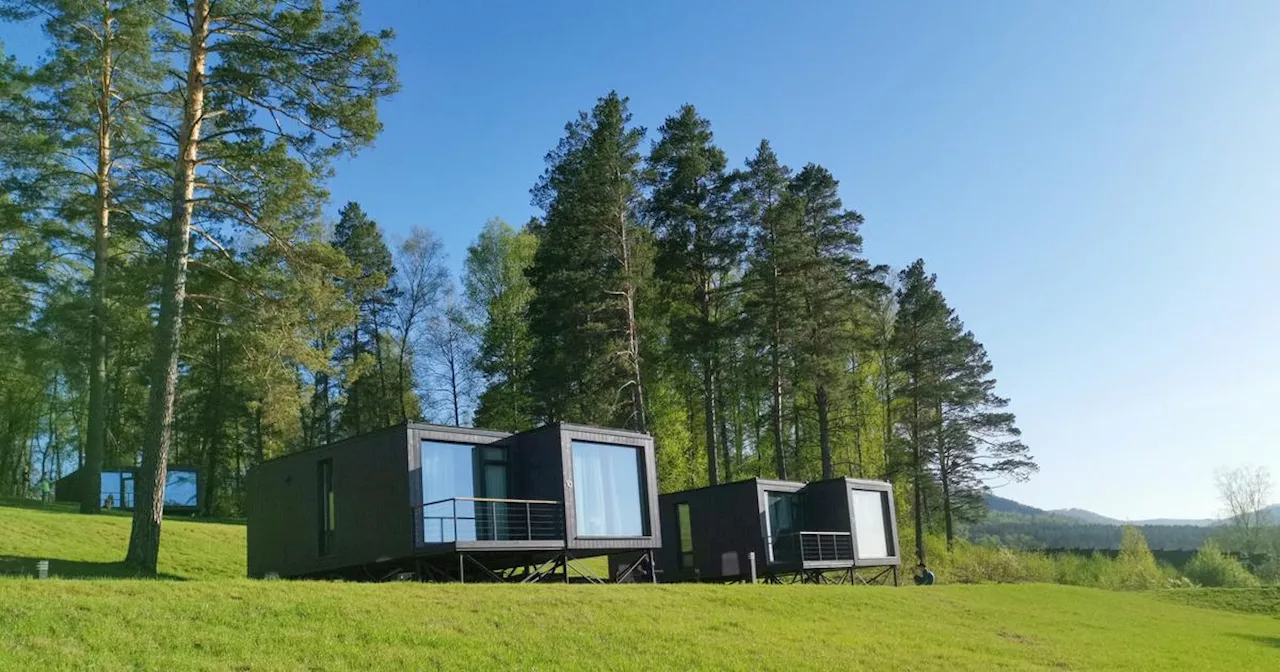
(869, 521)
(607, 494)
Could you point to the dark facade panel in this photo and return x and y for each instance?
(724, 528)
(373, 518)
(728, 522)
(378, 503)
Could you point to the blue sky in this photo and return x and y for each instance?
(1096, 184)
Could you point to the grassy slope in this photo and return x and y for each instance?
(242, 624)
(92, 546)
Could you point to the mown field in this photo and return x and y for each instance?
(222, 622)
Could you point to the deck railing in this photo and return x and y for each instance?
(826, 546)
(812, 546)
(487, 519)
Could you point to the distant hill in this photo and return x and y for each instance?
(1018, 525)
(1002, 505)
(1085, 516)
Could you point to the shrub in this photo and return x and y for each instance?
(1212, 568)
(1269, 571)
(1135, 568)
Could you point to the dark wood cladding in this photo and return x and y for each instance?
(725, 524)
(728, 522)
(377, 483)
(371, 491)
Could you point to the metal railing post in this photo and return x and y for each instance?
(528, 522)
(455, 520)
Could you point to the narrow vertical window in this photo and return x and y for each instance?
(328, 505)
(686, 535)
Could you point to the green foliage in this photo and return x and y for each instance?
(498, 293)
(588, 269)
(1212, 568)
(1135, 568)
(967, 562)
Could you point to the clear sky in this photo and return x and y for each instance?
(1096, 184)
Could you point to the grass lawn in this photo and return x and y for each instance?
(93, 546)
(233, 623)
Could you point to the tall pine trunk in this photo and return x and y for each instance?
(945, 476)
(824, 430)
(917, 478)
(213, 456)
(144, 538)
(722, 416)
(95, 449)
(633, 326)
(709, 417)
(775, 415)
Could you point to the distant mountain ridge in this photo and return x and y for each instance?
(1004, 505)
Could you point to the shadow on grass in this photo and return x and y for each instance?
(1264, 640)
(20, 503)
(14, 565)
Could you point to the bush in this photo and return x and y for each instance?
(1269, 571)
(1135, 568)
(1212, 568)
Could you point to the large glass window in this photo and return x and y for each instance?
(448, 472)
(607, 492)
(112, 490)
(783, 518)
(180, 489)
(686, 535)
(871, 524)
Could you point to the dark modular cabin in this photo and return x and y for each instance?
(447, 503)
(181, 492)
(804, 531)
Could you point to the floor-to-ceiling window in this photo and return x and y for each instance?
(873, 534)
(783, 517)
(608, 494)
(448, 471)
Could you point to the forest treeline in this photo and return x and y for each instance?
(171, 293)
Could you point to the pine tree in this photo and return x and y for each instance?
(698, 250)
(95, 85)
(253, 130)
(773, 219)
(589, 268)
(833, 273)
(919, 341)
(370, 288)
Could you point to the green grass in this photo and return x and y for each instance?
(1264, 600)
(92, 546)
(227, 623)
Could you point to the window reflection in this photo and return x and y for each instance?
(179, 489)
(608, 496)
